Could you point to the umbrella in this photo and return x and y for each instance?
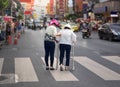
(8, 18)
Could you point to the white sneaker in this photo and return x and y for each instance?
(66, 68)
(61, 67)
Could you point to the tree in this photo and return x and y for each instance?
(20, 16)
(4, 4)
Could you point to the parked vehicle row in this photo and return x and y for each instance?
(32, 25)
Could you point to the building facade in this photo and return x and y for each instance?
(61, 7)
(109, 10)
(78, 6)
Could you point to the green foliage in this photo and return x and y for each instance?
(71, 16)
(20, 16)
(4, 4)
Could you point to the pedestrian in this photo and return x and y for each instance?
(66, 40)
(16, 25)
(19, 27)
(0, 37)
(22, 27)
(12, 27)
(3, 30)
(8, 31)
(49, 44)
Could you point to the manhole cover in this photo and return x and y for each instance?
(7, 78)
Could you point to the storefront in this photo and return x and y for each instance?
(114, 16)
(109, 9)
(101, 13)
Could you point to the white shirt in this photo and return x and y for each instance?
(51, 30)
(67, 37)
(50, 33)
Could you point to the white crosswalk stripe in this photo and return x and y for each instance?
(115, 59)
(1, 64)
(100, 70)
(62, 75)
(24, 70)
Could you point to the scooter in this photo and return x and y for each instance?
(85, 33)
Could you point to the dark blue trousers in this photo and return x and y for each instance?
(65, 49)
(49, 47)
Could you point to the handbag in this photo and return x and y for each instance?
(50, 38)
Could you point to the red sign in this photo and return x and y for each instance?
(27, 12)
(25, 0)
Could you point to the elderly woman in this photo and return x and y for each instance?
(49, 44)
(67, 38)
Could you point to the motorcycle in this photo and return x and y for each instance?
(85, 33)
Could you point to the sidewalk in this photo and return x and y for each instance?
(12, 42)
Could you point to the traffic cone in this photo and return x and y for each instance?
(19, 35)
(9, 40)
(15, 40)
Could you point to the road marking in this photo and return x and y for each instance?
(24, 70)
(1, 64)
(8, 78)
(100, 70)
(115, 59)
(62, 75)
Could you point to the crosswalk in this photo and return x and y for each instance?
(62, 76)
(114, 59)
(25, 72)
(1, 63)
(100, 70)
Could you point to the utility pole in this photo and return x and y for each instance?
(73, 1)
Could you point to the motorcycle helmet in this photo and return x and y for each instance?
(54, 22)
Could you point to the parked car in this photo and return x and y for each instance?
(38, 25)
(30, 25)
(110, 31)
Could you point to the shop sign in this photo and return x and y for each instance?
(114, 14)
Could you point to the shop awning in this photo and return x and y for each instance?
(29, 11)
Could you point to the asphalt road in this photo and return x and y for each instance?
(97, 63)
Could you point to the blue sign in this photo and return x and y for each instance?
(100, 10)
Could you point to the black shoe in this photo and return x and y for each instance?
(47, 68)
(51, 68)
